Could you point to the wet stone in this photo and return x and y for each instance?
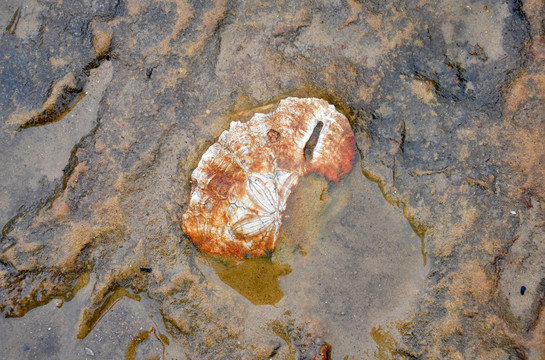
(89, 352)
(445, 102)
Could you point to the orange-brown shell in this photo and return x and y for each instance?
(241, 185)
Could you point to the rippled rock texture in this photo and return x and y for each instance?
(444, 98)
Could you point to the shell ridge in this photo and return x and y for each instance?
(288, 183)
(235, 157)
(253, 225)
(259, 193)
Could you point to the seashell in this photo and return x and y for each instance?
(242, 183)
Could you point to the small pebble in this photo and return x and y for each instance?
(145, 269)
(89, 352)
(522, 290)
(149, 71)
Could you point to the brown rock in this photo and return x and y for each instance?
(102, 42)
(60, 208)
(100, 146)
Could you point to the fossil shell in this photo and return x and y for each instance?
(243, 181)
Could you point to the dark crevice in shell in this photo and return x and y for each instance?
(313, 140)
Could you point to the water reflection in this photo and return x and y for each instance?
(255, 279)
(345, 256)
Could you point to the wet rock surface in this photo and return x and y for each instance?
(445, 100)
